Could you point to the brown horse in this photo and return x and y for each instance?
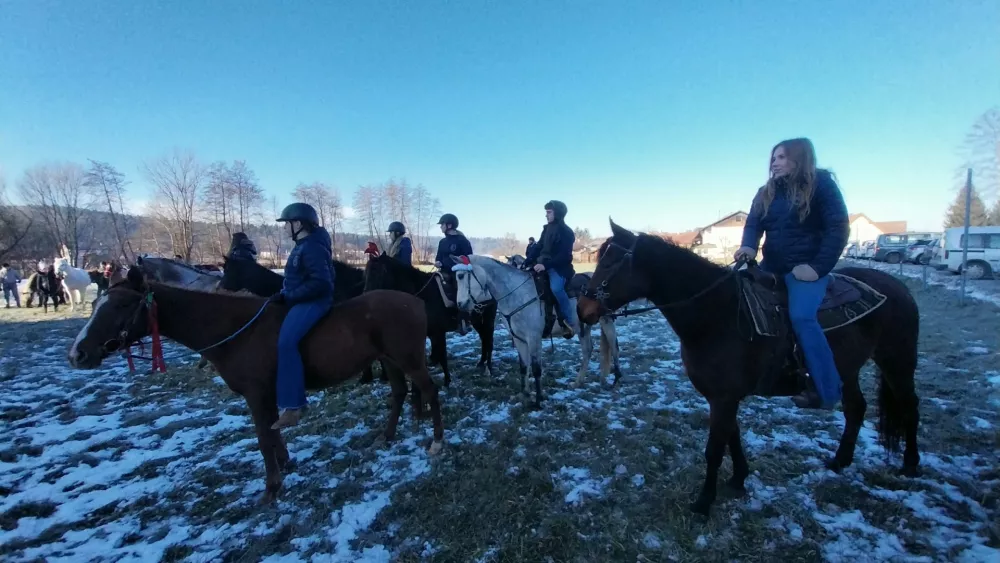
(239, 335)
(727, 362)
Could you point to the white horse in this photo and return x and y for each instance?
(74, 280)
(520, 306)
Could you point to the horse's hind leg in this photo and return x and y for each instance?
(609, 350)
(399, 390)
(586, 350)
(741, 469)
(898, 404)
(439, 353)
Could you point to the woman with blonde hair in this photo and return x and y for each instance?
(802, 212)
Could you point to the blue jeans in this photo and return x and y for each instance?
(804, 299)
(291, 374)
(557, 284)
(11, 289)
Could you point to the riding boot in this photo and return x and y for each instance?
(568, 332)
(289, 417)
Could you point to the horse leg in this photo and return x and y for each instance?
(264, 414)
(439, 354)
(536, 371)
(898, 404)
(586, 350)
(399, 391)
(741, 469)
(366, 375)
(609, 337)
(522, 359)
(485, 325)
(721, 427)
(854, 417)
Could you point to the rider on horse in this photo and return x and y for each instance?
(802, 212)
(308, 293)
(531, 247)
(242, 248)
(454, 243)
(400, 247)
(554, 254)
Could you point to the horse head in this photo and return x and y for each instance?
(119, 318)
(616, 281)
(471, 284)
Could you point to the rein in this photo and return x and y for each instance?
(156, 356)
(601, 295)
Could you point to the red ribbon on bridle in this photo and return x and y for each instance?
(157, 345)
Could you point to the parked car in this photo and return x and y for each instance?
(983, 251)
(867, 250)
(892, 247)
(921, 251)
(851, 251)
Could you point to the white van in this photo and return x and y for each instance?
(983, 253)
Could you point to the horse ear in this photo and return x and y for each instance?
(619, 231)
(135, 278)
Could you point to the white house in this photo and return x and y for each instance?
(864, 229)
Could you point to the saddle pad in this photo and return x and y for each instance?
(448, 303)
(846, 301)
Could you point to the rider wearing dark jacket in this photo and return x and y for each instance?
(400, 247)
(802, 212)
(242, 248)
(308, 291)
(554, 253)
(454, 243)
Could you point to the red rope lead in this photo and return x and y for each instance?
(157, 351)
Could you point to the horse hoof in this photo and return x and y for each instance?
(909, 471)
(701, 507)
(736, 487)
(833, 465)
(435, 447)
(536, 405)
(268, 498)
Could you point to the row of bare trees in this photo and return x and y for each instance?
(194, 210)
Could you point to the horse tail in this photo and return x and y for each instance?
(895, 356)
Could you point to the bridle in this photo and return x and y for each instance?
(486, 289)
(601, 295)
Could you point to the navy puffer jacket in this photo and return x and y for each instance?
(309, 272)
(817, 241)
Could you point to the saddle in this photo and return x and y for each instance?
(765, 298)
(448, 289)
(574, 287)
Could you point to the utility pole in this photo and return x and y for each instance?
(965, 237)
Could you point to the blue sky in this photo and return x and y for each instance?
(661, 114)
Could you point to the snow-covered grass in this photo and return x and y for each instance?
(103, 466)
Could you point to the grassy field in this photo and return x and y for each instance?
(105, 466)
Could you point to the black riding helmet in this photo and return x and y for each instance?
(299, 211)
(450, 219)
(396, 227)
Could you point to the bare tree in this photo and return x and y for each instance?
(981, 152)
(177, 179)
(326, 201)
(218, 202)
(273, 236)
(367, 208)
(107, 185)
(56, 192)
(14, 223)
(510, 245)
(249, 195)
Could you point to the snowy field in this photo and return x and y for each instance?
(103, 466)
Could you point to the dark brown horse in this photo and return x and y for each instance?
(385, 272)
(388, 324)
(726, 361)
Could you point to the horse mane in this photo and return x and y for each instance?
(344, 270)
(415, 274)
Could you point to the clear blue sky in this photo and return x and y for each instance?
(660, 113)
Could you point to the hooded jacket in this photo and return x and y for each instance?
(242, 248)
(309, 274)
(554, 248)
(401, 249)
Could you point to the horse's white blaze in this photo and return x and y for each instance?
(83, 331)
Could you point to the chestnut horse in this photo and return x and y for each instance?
(238, 333)
(726, 361)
